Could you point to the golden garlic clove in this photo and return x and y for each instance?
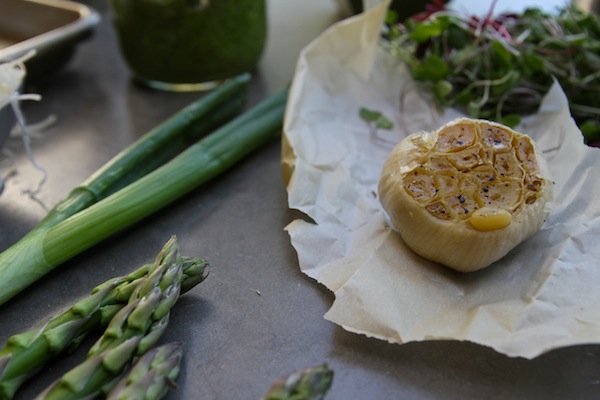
(466, 194)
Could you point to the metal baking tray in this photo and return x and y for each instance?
(51, 27)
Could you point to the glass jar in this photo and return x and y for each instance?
(184, 45)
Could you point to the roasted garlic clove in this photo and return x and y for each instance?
(466, 194)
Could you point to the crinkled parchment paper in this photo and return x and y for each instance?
(543, 295)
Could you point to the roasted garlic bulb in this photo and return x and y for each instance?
(466, 194)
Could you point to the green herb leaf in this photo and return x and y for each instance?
(590, 130)
(369, 115)
(442, 90)
(384, 123)
(428, 30)
(474, 108)
(433, 68)
(533, 63)
(459, 37)
(376, 117)
(501, 57)
(391, 17)
(511, 120)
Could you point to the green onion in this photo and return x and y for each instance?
(154, 148)
(56, 241)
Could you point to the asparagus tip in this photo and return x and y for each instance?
(306, 384)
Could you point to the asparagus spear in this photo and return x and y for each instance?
(27, 352)
(151, 376)
(307, 384)
(132, 331)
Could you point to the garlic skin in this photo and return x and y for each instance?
(466, 194)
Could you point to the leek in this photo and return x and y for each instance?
(57, 239)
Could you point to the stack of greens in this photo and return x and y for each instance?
(500, 68)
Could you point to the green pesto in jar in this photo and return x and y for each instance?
(190, 41)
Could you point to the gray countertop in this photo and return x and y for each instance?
(237, 341)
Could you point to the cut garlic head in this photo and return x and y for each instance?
(466, 194)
